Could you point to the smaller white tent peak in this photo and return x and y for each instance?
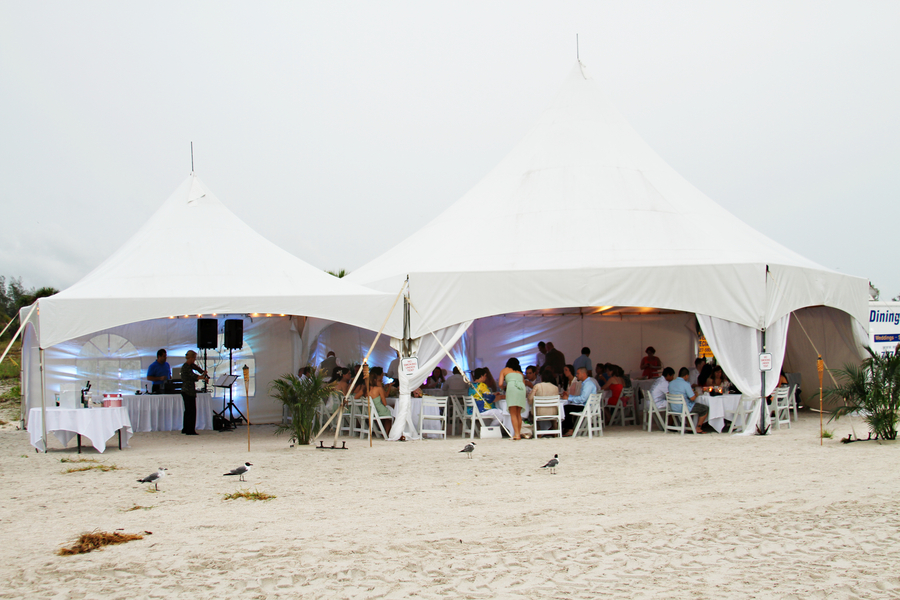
(194, 256)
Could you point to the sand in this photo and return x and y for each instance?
(630, 515)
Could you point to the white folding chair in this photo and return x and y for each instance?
(550, 405)
(457, 414)
(747, 407)
(377, 421)
(780, 409)
(439, 415)
(590, 419)
(652, 413)
(479, 418)
(792, 398)
(346, 421)
(677, 411)
(622, 410)
(360, 416)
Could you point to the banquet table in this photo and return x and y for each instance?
(165, 412)
(720, 408)
(96, 424)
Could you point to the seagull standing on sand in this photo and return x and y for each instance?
(470, 447)
(154, 477)
(241, 470)
(552, 464)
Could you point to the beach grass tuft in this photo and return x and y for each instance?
(80, 459)
(827, 434)
(103, 468)
(246, 494)
(88, 542)
(137, 507)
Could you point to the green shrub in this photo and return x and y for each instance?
(302, 397)
(873, 390)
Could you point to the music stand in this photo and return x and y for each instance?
(227, 381)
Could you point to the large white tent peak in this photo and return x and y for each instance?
(582, 212)
(195, 256)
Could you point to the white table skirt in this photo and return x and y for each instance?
(720, 408)
(96, 424)
(165, 412)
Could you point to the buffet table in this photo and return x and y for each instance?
(165, 412)
(96, 424)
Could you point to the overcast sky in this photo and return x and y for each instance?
(335, 129)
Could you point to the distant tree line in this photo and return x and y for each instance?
(14, 295)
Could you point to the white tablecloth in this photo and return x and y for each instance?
(165, 412)
(96, 424)
(720, 408)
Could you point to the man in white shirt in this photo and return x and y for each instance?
(660, 388)
(541, 356)
(393, 370)
(455, 385)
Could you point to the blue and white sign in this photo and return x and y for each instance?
(884, 326)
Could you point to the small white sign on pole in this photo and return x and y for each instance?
(765, 361)
(409, 365)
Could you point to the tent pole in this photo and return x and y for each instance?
(43, 406)
(18, 331)
(365, 361)
(8, 324)
(763, 408)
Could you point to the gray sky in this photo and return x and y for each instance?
(335, 129)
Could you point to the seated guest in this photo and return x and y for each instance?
(436, 380)
(576, 403)
(615, 384)
(782, 380)
(531, 376)
(159, 372)
(604, 372)
(650, 364)
(705, 373)
(379, 397)
(455, 385)
(660, 388)
(680, 385)
(695, 371)
(570, 382)
(479, 390)
(489, 379)
(718, 377)
(303, 373)
(544, 388)
(342, 384)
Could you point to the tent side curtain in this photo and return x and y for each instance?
(737, 348)
(429, 354)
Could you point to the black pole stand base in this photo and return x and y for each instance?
(322, 446)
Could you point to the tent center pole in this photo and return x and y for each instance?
(763, 407)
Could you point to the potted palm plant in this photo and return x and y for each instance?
(302, 397)
(872, 390)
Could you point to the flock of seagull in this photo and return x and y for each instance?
(161, 472)
(242, 470)
(551, 464)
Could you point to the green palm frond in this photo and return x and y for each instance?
(302, 398)
(871, 389)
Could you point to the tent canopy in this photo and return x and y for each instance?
(583, 213)
(194, 256)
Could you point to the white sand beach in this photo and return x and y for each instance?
(629, 515)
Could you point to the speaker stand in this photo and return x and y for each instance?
(230, 406)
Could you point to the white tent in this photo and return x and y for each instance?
(583, 213)
(195, 257)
